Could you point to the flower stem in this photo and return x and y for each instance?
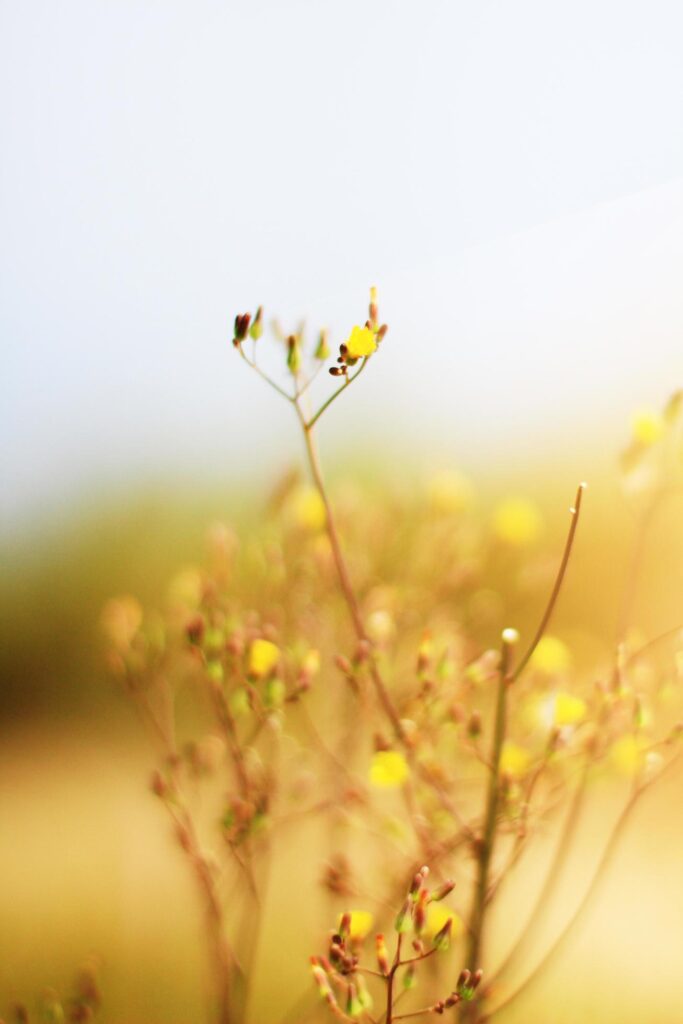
(486, 844)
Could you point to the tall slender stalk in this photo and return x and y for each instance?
(485, 846)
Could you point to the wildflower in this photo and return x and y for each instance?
(559, 709)
(388, 769)
(647, 426)
(263, 658)
(357, 923)
(361, 342)
(627, 754)
(307, 509)
(551, 656)
(514, 760)
(517, 521)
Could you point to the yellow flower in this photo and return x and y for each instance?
(308, 509)
(569, 709)
(514, 760)
(551, 656)
(388, 769)
(558, 709)
(361, 342)
(648, 426)
(361, 923)
(263, 658)
(517, 521)
(628, 755)
(437, 916)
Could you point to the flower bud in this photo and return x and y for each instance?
(442, 939)
(322, 351)
(382, 955)
(403, 918)
(256, 329)
(293, 354)
(442, 891)
(242, 321)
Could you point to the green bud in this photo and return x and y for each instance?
(214, 671)
(293, 354)
(409, 979)
(322, 351)
(256, 329)
(275, 693)
(213, 640)
(239, 702)
(403, 919)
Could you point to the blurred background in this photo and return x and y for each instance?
(510, 176)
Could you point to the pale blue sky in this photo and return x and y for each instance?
(509, 174)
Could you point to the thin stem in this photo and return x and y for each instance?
(343, 572)
(640, 651)
(335, 394)
(388, 1017)
(562, 851)
(575, 511)
(414, 1013)
(264, 376)
(486, 844)
(522, 830)
(418, 959)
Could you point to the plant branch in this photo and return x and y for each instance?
(575, 511)
(335, 394)
(486, 843)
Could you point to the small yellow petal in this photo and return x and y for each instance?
(361, 923)
(517, 521)
(648, 426)
(263, 658)
(388, 769)
(569, 710)
(561, 709)
(437, 916)
(361, 342)
(551, 656)
(307, 509)
(514, 760)
(628, 755)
